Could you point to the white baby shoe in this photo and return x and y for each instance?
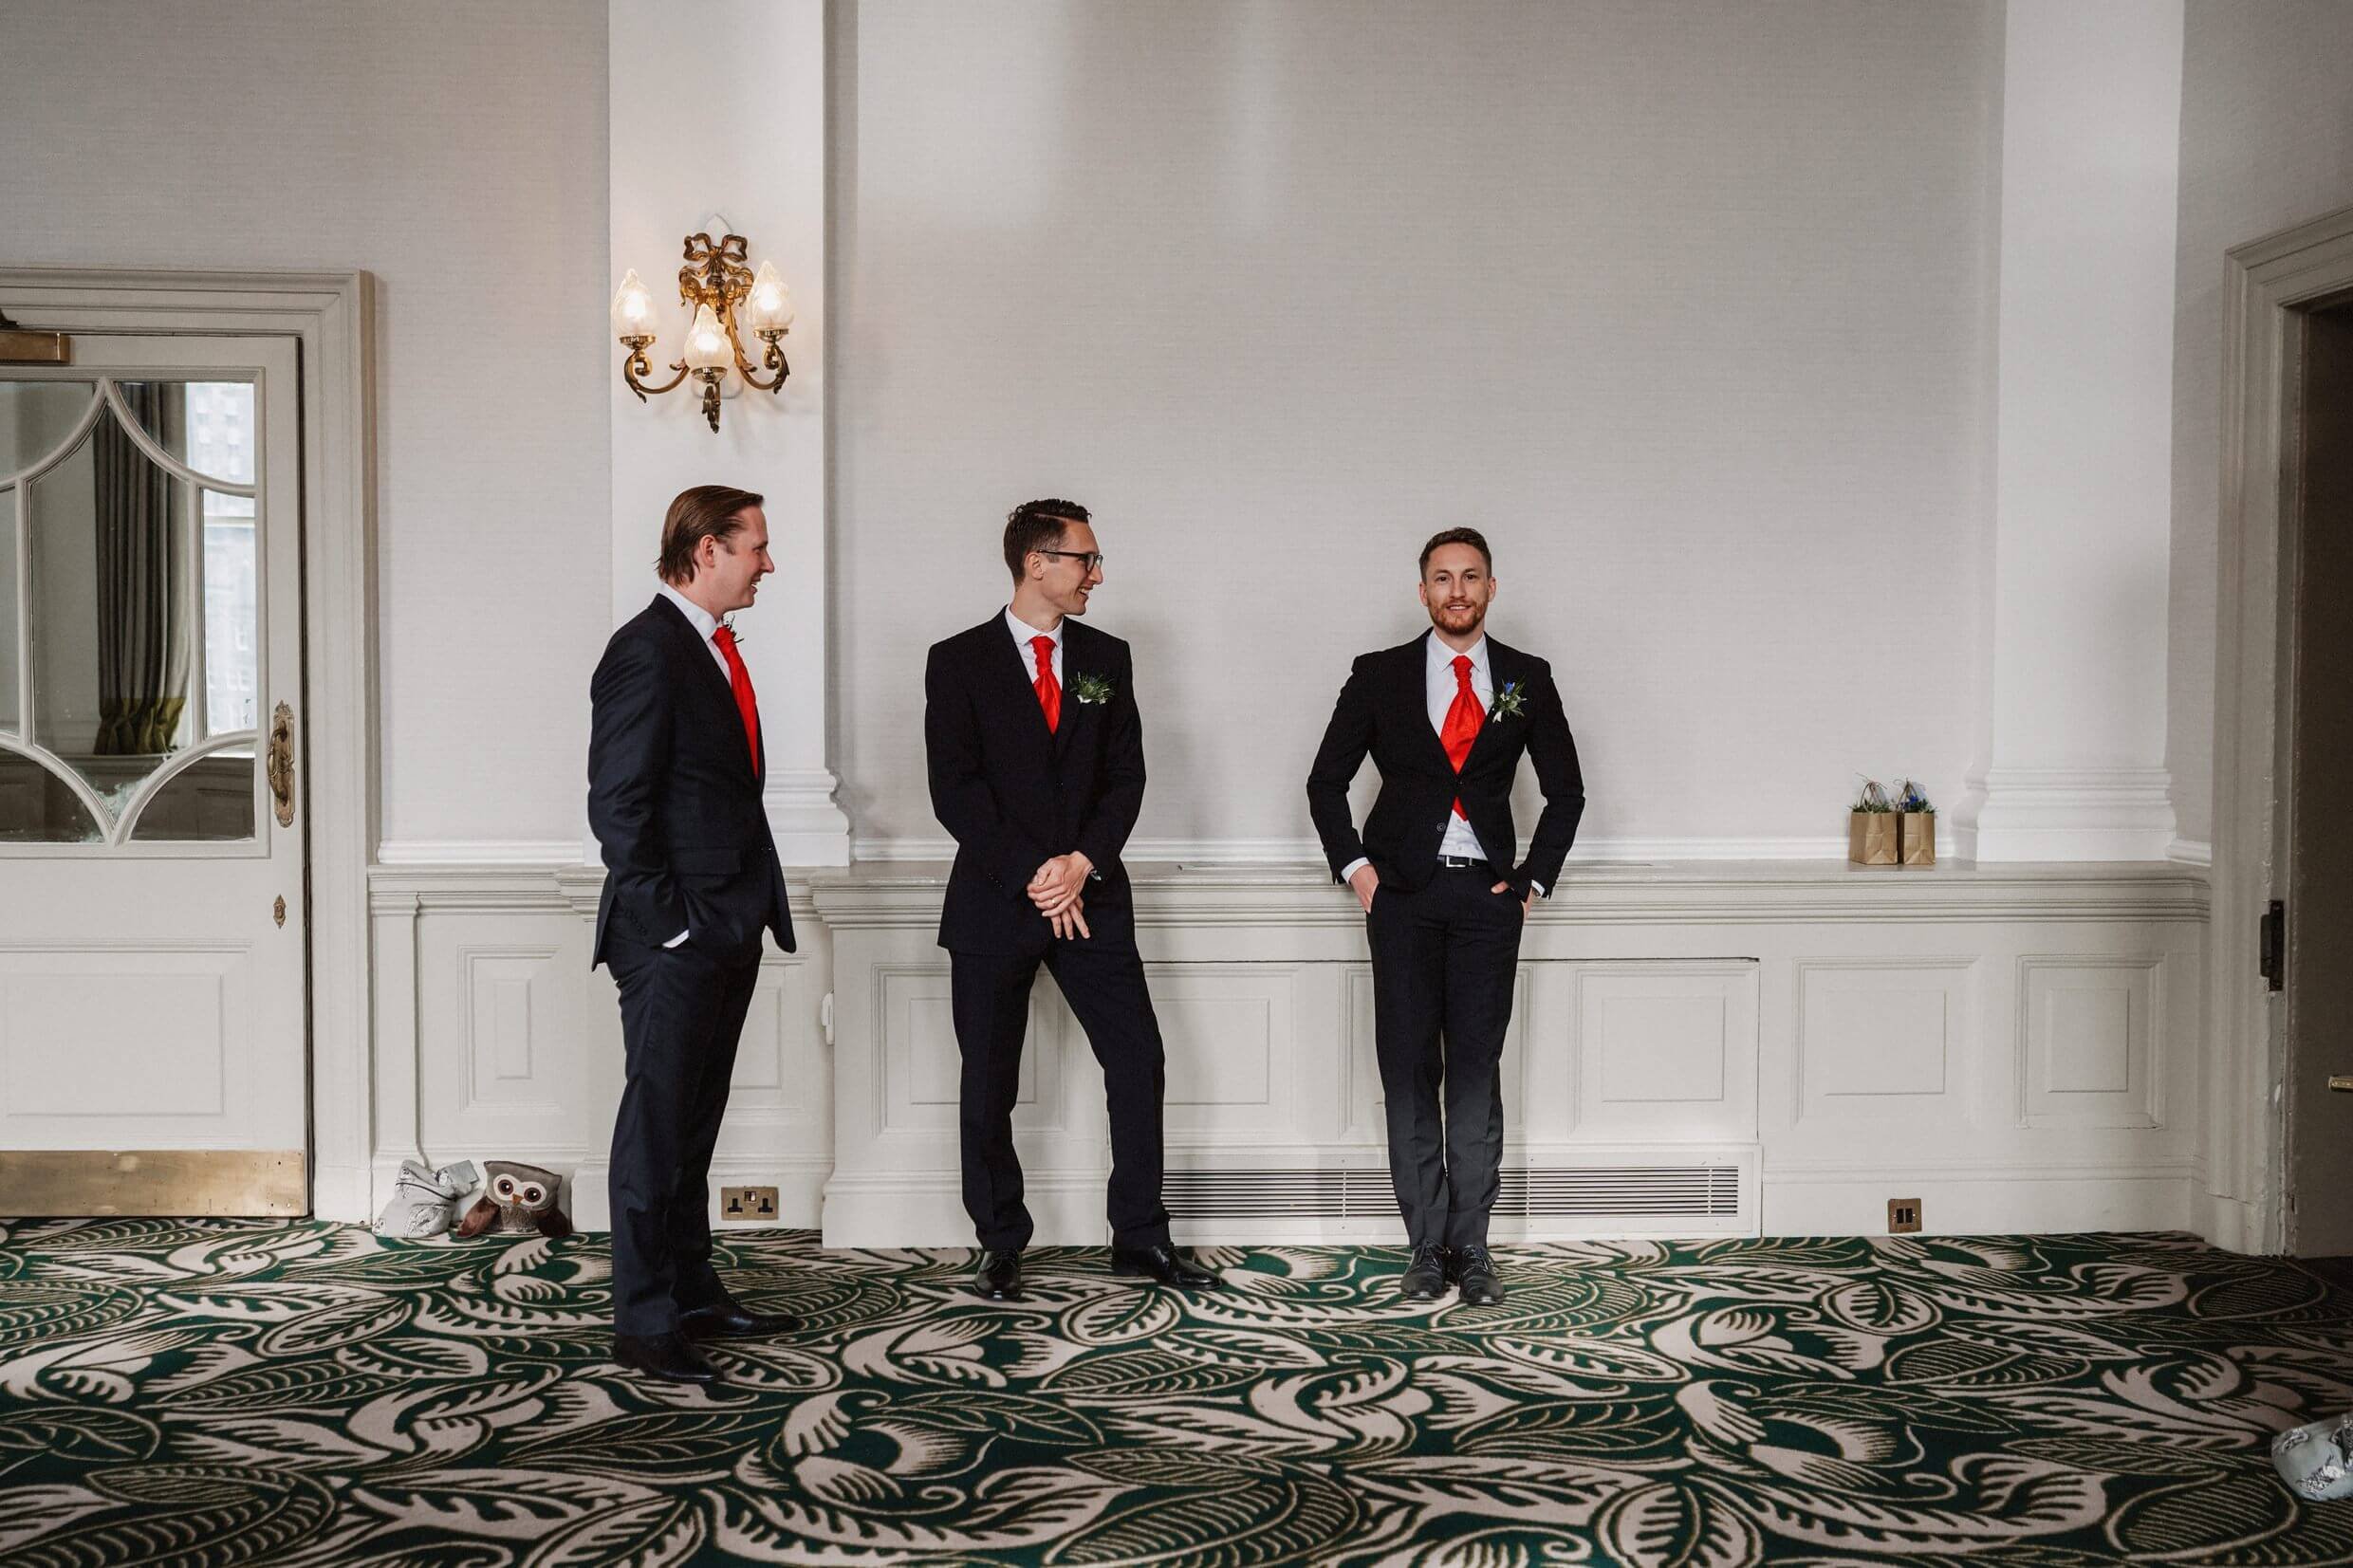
(2317, 1461)
(424, 1202)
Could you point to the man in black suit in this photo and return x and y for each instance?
(674, 763)
(1037, 767)
(1446, 718)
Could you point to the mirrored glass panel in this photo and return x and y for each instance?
(11, 634)
(211, 799)
(35, 416)
(36, 807)
(207, 425)
(232, 688)
(117, 610)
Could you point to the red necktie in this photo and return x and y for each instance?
(1462, 722)
(1049, 689)
(740, 678)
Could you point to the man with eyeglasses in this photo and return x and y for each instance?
(1446, 719)
(1037, 767)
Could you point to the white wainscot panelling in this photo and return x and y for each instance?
(504, 1069)
(512, 1004)
(2017, 1046)
(496, 1040)
(1883, 1042)
(1226, 1030)
(2086, 1030)
(779, 1121)
(1666, 1052)
(79, 1062)
(922, 1068)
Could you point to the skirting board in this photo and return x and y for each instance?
(800, 1191)
(1992, 1202)
(923, 1212)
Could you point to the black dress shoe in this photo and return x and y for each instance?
(1162, 1263)
(1475, 1272)
(1424, 1279)
(728, 1319)
(998, 1278)
(667, 1357)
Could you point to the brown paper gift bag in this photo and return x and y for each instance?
(1916, 837)
(1871, 839)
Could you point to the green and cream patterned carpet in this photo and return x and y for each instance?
(214, 1393)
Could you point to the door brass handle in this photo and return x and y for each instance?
(282, 762)
(2341, 1083)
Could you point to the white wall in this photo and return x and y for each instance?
(1688, 306)
(2267, 142)
(457, 152)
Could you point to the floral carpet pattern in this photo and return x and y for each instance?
(230, 1392)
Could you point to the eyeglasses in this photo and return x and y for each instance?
(1089, 560)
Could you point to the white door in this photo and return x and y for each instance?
(153, 1010)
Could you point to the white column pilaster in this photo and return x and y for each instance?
(2073, 766)
(721, 108)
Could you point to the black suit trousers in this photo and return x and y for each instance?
(1106, 991)
(1445, 958)
(681, 1011)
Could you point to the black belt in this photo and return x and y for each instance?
(1461, 862)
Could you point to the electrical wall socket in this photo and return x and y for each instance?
(1903, 1216)
(746, 1203)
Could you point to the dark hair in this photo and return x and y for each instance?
(1037, 526)
(1472, 537)
(706, 511)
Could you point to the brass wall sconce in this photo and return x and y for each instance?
(715, 282)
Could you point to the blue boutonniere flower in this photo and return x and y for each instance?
(1510, 700)
(1090, 689)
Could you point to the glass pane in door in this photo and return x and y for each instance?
(36, 416)
(116, 606)
(36, 807)
(11, 634)
(211, 799)
(231, 615)
(206, 425)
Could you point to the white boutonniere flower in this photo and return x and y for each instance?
(1090, 689)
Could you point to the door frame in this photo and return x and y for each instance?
(2267, 284)
(331, 317)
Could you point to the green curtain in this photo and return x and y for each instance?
(143, 574)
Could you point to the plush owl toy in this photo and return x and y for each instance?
(519, 1199)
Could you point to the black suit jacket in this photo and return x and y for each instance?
(1384, 710)
(1016, 795)
(674, 796)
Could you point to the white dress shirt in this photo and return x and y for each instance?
(1439, 689)
(707, 627)
(1022, 633)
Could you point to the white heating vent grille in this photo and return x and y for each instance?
(1572, 1191)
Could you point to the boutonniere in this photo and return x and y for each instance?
(1510, 701)
(1090, 688)
(727, 624)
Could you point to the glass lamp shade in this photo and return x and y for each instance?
(633, 309)
(769, 309)
(707, 347)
